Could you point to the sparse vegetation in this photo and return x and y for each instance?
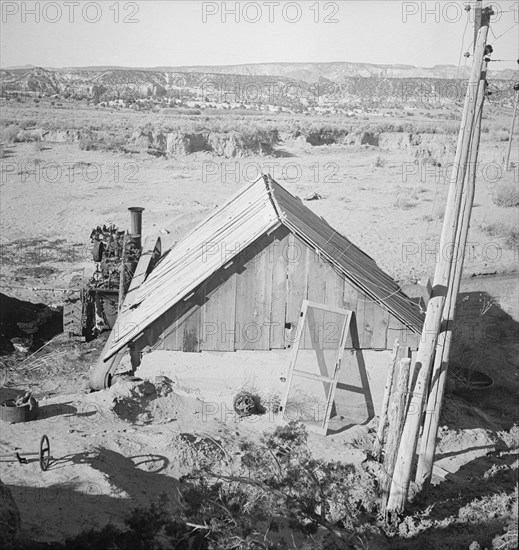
(276, 485)
(406, 198)
(404, 203)
(9, 133)
(509, 234)
(276, 488)
(86, 144)
(243, 492)
(379, 162)
(506, 194)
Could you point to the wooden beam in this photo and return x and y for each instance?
(477, 20)
(394, 431)
(379, 441)
(512, 125)
(441, 360)
(426, 351)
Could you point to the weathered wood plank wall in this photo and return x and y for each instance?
(253, 303)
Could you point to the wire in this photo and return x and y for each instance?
(461, 49)
(437, 191)
(503, 33)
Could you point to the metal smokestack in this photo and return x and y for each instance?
(136, 227)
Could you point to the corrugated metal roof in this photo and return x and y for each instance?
(229, 230)
(232, 227)
(356, 265)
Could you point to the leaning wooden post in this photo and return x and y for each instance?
(478, 18)
(512, 125)
(394, 431)
(445, 340)
(379, 441)
(430, 332)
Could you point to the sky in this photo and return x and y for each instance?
(152, 33)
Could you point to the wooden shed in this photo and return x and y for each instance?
(238, 281)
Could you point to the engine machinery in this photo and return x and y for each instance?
(92, 304)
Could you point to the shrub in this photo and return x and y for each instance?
(500, 135)
(277, 485)
(145, 529)
(403, 203)
(86, 144)
(114, 143)
(508, 233)
(28, 136)
(279, 478)
(29, 123)
(9, 133)
(405, 198)
(506, 194)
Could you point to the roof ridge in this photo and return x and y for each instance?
(267, 178)
(249, 213)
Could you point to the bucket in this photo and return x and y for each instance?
(9, 412)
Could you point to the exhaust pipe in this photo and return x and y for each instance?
(136, 225)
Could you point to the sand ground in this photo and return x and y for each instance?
(104, 462)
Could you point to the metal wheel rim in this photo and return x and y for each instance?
(44, 453)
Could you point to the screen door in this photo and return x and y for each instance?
(317, 349)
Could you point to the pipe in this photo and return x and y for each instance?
(136, 225)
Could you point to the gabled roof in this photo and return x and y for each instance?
(251, 212)
(357, 266)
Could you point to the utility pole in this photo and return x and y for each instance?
(445, 340)
(478, 12)
(441, 283)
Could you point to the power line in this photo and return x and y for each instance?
(461, 49)
(496, 38)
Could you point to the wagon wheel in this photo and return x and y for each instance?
(44, 453)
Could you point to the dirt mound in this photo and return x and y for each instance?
(65, 136)
(325, 137)
(369, 138)
(434, 146)
(361, 138)
(148, 140)
(427, 148)
(144, 401)
(239, 144)
(439, 145)
(223, 144)
(328, 136)
(396, 140)
(178, 143)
